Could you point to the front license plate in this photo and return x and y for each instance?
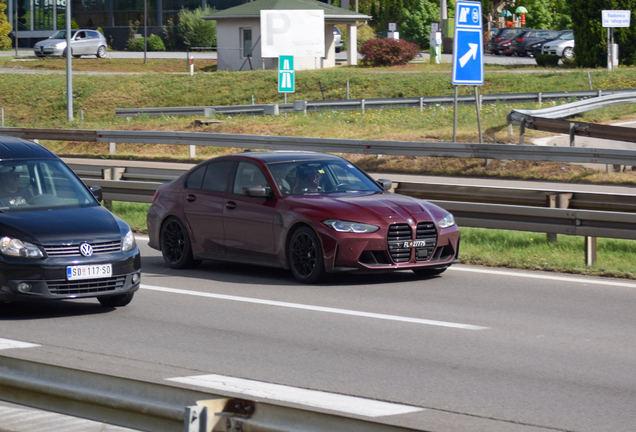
(89, 271)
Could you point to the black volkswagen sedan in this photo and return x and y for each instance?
(56, 240)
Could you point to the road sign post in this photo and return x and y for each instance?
(611, 19)
(468, 52)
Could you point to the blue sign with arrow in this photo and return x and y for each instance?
(468, 45)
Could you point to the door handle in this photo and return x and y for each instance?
(230, 204)
(191, 197)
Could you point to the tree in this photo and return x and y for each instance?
(413, 17)
(5, 27)
(547, 14)
(195, 31)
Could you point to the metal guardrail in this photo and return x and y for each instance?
(159, 407)
(358, 104)
(403, 148)
(548, 119)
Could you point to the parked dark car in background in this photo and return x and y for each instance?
(501, 35)
(56, 241)
(535, 48)
(83, 42)
(521, 42)
(309, 212)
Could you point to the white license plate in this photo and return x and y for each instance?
(89, 271)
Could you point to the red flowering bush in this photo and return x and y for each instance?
(388, 52)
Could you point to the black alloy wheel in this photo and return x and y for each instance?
(175, 245)
(305, 256)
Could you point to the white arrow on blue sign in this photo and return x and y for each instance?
(468, 45)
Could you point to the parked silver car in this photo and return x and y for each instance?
(563, 46)
(83, 42)
(337, 37)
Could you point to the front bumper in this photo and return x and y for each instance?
(47, 279)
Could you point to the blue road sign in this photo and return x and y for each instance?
(468, 45)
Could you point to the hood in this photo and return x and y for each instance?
(49, 42)
(61, 225)
(364, 207)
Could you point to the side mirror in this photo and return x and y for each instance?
(385, 184)
(257, 191)
(97, 192)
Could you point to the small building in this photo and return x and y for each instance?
(238, 31)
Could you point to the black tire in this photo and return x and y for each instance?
(175, 245)
(305, 256)
(568, 53)
(101, 52)
(76, 56)
(120, 300)
(428, 271)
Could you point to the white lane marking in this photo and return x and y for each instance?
(546, 277)
(313, 398)
(8, 344)
(315, 308)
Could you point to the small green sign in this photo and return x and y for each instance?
(286, 81)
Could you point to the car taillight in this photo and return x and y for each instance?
(155, 196)
(520, 39)
(498, 39)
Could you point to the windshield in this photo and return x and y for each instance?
(61, 35)
(40, 184)
(320, 177)
(566, 36)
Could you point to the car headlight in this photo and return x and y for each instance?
(17, 248)
(350, 227)
(128, 242)
(448, 221)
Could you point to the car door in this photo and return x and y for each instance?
(248, 221)
(78, 44)
(92, 42)
(205, 194)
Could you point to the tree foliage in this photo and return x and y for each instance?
(5, 27)
(591, 37)
(195, 31)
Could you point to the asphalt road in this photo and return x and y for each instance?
(476, 349)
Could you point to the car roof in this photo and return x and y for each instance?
(283, 156)
(18, 148)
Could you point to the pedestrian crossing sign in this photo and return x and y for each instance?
(286, 74)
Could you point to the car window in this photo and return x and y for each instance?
(217, 176)
(34, 185)
(195, 178)
(247, 175)
(317, 177)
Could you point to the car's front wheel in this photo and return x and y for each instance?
(305, 256)
(175, 245)
(568, 53)
(101, 52)
(120, 300)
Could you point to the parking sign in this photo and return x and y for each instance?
(468, 45)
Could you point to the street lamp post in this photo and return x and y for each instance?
(69, 65)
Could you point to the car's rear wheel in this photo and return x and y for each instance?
(175, 245)
(568, 53)
(120, 300)
(305, 256)
(101, 52)
(427, 271)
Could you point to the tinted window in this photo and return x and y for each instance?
(195, 179)
(217, 176)
(247, 175)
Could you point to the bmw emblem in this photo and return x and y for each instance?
(409, 220)
(86, 249)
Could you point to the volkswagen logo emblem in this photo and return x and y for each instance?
(86, 249)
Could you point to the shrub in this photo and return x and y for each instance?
(5, 28)
(547, 60)
(195, 31)
(388, 52)
(569, 62)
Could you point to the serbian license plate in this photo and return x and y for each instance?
(98, 271)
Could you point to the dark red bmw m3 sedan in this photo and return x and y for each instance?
(312, 213)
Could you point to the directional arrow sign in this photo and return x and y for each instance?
(468, 51)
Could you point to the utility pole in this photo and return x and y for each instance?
(69, 65)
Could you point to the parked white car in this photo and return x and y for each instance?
(562, 46)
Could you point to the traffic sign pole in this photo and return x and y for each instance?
(468, 52)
